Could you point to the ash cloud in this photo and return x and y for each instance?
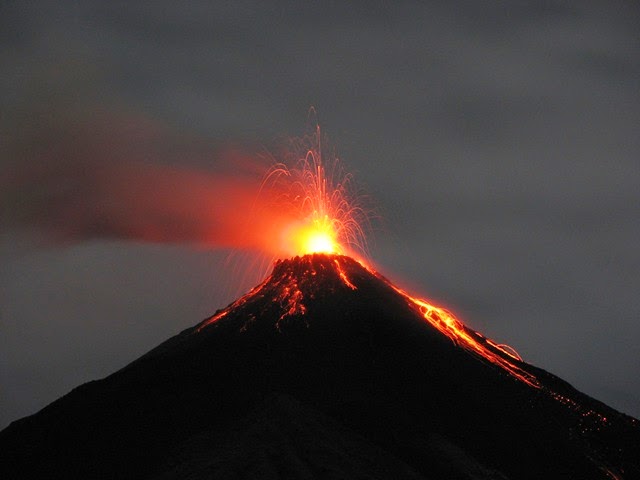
(122, 177)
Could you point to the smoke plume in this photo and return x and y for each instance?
(122, 177)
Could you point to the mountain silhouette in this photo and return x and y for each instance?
(325, 370)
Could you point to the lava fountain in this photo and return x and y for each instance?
(328, 214)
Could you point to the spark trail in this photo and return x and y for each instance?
(329, 213)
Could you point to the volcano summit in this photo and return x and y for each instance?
(325, 370)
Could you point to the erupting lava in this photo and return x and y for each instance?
(328, 217)
(318, 237)
(327, 212)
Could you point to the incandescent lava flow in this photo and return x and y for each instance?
(325, 370)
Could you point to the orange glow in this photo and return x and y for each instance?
(316, 237)
(318, 205)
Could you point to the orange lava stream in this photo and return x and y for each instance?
(343, 276)
(470, 340)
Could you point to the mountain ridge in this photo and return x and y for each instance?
(344, 344)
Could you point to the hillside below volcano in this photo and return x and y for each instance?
(325, 370)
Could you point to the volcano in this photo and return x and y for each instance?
(325, 370)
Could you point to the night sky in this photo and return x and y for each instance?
(500, 141)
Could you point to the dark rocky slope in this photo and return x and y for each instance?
(322, 371)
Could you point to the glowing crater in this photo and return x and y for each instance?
(318, 236)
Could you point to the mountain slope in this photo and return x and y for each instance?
(325, 347)
(281, 438)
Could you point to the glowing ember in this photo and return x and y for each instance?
(325, 208)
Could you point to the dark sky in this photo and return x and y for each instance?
(501, 141)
